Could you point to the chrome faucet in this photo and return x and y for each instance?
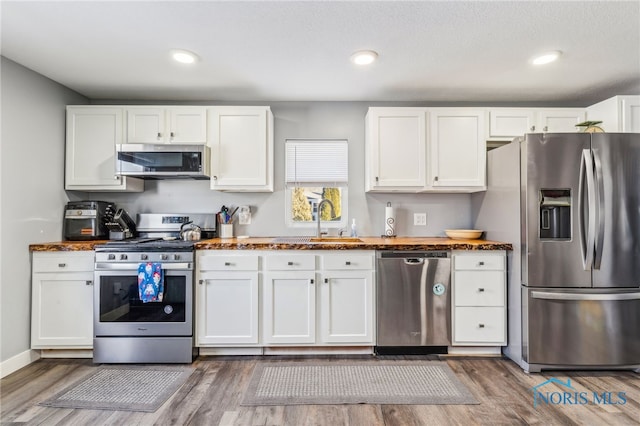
(333, 213)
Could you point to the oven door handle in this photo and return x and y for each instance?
(134, 267)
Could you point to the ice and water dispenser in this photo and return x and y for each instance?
(555, 214)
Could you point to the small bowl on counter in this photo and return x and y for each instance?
(463, 234)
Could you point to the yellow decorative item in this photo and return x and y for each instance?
(590, 127)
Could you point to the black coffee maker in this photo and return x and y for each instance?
(86, 220)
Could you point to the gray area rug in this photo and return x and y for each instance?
(353, 382)
(122, 388)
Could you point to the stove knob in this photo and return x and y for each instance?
(123, 257)
(144, 256)
(176, 257)
(164, 257)
(111, 257)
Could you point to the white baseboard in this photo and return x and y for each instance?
(66, 353)
(474, 351)
(17, 362)
(206, 351)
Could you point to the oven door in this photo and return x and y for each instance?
(118, 310)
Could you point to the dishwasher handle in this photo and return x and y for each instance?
(413, 261)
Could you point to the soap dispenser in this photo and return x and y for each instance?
(354, 232)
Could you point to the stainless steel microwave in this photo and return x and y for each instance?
(163, 161)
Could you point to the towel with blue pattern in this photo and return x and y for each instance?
(150, 282)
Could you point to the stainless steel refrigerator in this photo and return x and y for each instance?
(570, 204)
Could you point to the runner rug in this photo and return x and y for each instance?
(356, 382)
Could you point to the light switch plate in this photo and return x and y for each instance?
(420, 219)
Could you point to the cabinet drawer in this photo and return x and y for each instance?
(70, 262)
(484, 288)
(479, 262)
(346, 261)
(296, 262)
(479, 325)
(228, 263)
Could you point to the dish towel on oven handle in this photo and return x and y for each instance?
(150, 282)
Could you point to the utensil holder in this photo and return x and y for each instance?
(225, 230)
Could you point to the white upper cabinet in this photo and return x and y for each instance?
(401, 158)
(186, 125)
(511, 122)
(241, 142)
(457, 149)
(92, 135)
(508, 123)
(618, 114)
(560, 120)
(395, 149)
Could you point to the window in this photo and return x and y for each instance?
(316, 170)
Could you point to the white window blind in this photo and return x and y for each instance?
(316, 162)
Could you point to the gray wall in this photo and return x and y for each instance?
(32, 193)
(342, 120)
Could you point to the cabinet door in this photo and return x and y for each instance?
(91, 138)
(289, 307)
(560, 120)
(346, 307)
(458, 148)
(146, 125)
(62, 310)
(188, 125)
(511, 122)
(227, 308)
(241, 141)
(395, 149)
(630, 106)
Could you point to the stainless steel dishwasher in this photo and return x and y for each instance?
(414, 298)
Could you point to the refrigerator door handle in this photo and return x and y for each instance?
(581, 296)
(599, 200)
(587, 242)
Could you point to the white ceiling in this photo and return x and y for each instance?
(449, 51)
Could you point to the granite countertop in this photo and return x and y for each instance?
(289, 243)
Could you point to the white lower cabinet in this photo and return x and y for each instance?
(347, 299)
(479, 314)
(227, 299)
(62, 300)
(285, 298)
(289, 307)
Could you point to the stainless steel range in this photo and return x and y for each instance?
(143, 293)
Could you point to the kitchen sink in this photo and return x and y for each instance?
(308, 240)
(335, 240)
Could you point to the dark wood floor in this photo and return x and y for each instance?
(213, 393)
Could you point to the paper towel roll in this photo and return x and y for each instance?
(389, 221)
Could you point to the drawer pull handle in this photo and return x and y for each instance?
(480, 263)
(227, 263)
(480, 325)
(290, 263)
(481, 290)
(326, 280)
(61, 265)
(311, 281)
(347, 263)
(88, 282)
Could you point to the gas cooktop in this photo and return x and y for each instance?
(146, 244)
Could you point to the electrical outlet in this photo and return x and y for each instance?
(420, 219)
(244, 216)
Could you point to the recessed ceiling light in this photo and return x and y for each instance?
(364, 57)
(546, 58)
(184, 56)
